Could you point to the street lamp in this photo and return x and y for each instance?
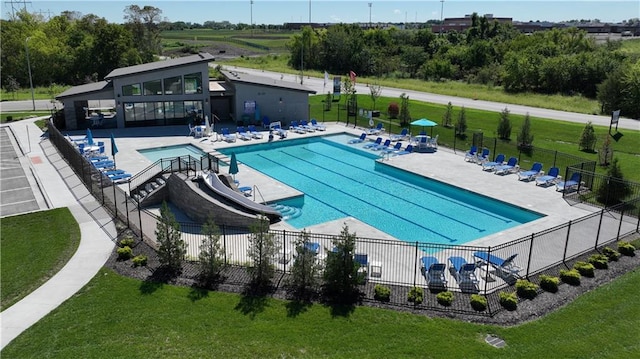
(26, 46)
(251, 2)
(441, 12)
(370, 14)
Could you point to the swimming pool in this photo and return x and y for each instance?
(339, 180)
(156, 153)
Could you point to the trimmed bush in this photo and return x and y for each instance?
(509, 300)
(445, 298)
(127, 242)
(393, 110)
(599, 261)
(124, 253)
(626, 249)
(570, 276)
(139, 261)
(585, 269)
(526, 289)
(612, 254)
(382, 293)
(549, 283)
(416, 295)
(478, 303)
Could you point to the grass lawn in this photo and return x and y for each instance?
(33, 248)
(129, 318)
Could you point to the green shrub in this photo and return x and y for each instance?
(526, 289)
(382, 293)
(139, 260)
(445, 298)
(549, 283)
(626, 249)
(127, 242)
(416, 295)
(570, 276)
(478, 302)
(612, 254)
(585, 269)
(124, 253)
(508, 300)
(599, 261)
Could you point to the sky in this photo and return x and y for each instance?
(337, 11)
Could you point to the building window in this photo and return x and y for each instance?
(152, 87)
(193, 83)
(131, 90)
(173, 86)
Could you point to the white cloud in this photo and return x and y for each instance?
(397, 12)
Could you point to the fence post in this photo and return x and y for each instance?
(126, 207)
(620, 223)
(415, 264)
(486, 281)
(530, 255)
(224, 243)
(140, 220)
(284, 250)
(566, 244)
(599, 227)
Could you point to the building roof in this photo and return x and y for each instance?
(235, 76)
(86, 89)
(159, 65)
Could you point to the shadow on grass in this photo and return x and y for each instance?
(196, 293)
(254, 299)
(297, 307)
(156, 280)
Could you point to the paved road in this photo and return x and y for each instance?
(41, 105)
(317, 84)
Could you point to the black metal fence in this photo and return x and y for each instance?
(392, 263)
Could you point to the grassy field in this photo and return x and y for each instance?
(34, 248)
(129, 318)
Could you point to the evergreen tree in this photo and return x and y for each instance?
(328, 99)
(461, 124)
(341, 277)
(447, 117)
(405, 116)
(172, 248)
(606, 152)
(211, 253)
(614, 189)
(305, 270)
(262, 251)
(504, 125)
(587, 140)
(525, 138)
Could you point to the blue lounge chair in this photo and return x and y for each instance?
(312, 247)
(281, 131)
(395, 148)
(483, 157)
(383, 146)
(464, 272)
(266, 123)
(530, 174)
(570, 185)
(401, 136)
(103, 164)
(433, 271)
(504, 267)
(318, 126)
(253, 132)
(507, 168)
(377, 142)
(406, 151)
(243, 134)
(227, 136)
(305, 125)
(490, 166)
(296, 128)
(113, 172)
(362, 259)
(548, 179)
(360, 139)
(122, 177)
(377, 130)
(472, 155)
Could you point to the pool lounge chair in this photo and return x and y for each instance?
(505, 268)
(318, 126)
(406, 151)
(433, 272)
(377, 130)
(243, 134)
(280, 131)
(570, 185)
(305, 125)
(550, 178)
(395, 148)
(227, 136)
(490, 166)
(404, 134)
(472, 155)
(383, 146)
(483, 157)
(253, 132)
(530, 174)
(510, 167)
(377, 142)
(362, 259)
(360, 139)
(296, 128)
(119, 178)
(464, 272)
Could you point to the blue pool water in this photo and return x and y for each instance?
(339, 180)
(156, 153)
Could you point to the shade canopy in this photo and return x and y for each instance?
(233, 164)
(89, 137)
(424, 122)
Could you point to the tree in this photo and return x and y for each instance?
(404, 116)
(305, 270)
(587, 140)
(461, 124)
(341, 277)
(211, 254)
(606, 152)
(143, 24)
(262, 251)
(631, 91)
(172, 248)
(504, 125)
(12, 86)
(614, 189)
(375, 89)
(447, 117)
(525, 138)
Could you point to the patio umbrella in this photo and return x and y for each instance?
(425, 122)
(114, 149)
(233, 165)
(89, 137)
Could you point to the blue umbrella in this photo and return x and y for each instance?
(89, 137)
(425, 122)
(233, 165)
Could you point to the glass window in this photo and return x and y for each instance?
(193, 83)
(173, 86)
(152, 87)
(131, 90)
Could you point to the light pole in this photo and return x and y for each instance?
(251, 2)
(309, 12)
(441, 12)
(26, 46)
(370, 14)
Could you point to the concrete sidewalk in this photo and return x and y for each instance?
(59, 185)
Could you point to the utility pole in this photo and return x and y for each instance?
(441, 12)
(370, 14)
(251, 2)
(26, 46)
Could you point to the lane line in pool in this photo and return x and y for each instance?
(355, 198)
